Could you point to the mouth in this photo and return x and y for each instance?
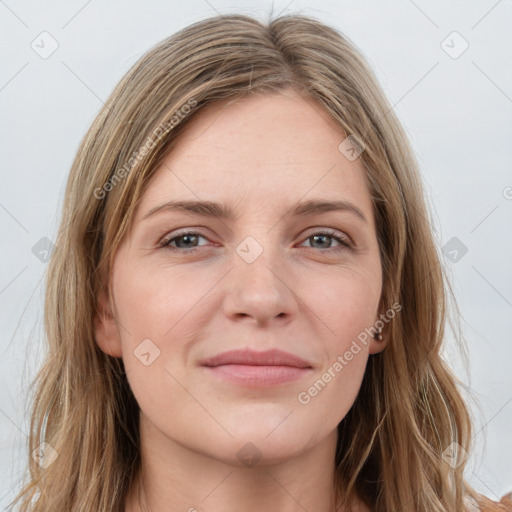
(257, 369)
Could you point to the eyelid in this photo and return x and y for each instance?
(170, 236)
(331, 232)
(344, 240)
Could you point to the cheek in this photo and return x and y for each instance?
(153, 303)
(346, 304)
(160, 312)
(347, 311)
(175, 307)
(331, 394)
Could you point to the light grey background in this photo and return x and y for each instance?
(457, 112)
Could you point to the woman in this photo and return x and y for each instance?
(255, 370)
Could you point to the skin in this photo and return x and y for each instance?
(260, 156)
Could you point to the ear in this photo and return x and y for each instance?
(106, 330)
(377, 346)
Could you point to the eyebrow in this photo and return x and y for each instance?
(217, 210)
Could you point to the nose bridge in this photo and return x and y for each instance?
(258, 258)
(258, 283)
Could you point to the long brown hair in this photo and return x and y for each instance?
(409, 410)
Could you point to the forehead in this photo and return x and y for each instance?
(260, 151)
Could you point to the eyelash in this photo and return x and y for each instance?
(344, 243)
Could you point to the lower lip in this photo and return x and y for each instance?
(258, 376)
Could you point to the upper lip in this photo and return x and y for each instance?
(251, 357)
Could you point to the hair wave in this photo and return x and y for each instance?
(409, 408)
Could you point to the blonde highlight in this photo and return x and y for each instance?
(409, 408)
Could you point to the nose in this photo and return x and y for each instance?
(260, 289)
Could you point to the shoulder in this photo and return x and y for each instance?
(480, 503)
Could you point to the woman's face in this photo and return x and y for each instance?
(271, 275)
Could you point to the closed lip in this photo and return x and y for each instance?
(254, 358)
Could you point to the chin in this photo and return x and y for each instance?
(273, 447)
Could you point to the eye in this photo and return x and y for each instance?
(184, 241)
(323, 237)
(188, 241)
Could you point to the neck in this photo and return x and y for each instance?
(175, 479)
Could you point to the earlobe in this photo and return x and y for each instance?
(106, 331)
(378, 342)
